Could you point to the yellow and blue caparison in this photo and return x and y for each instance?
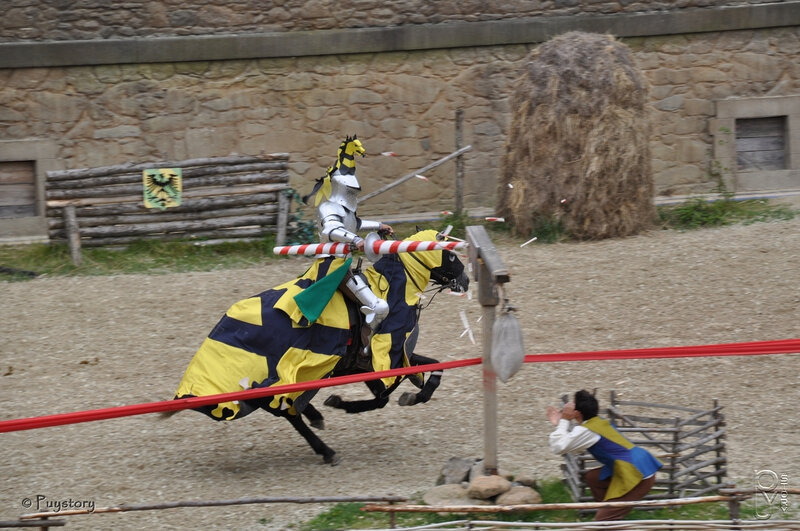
(624, 462)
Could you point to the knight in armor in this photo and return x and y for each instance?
(335, 197)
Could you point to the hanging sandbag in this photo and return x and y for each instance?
(507, 353)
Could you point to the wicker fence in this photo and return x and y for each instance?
(689, 441)
(222, 198)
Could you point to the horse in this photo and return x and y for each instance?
(267, 340)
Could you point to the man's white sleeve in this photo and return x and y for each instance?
(564, 441)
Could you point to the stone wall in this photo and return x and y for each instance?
(401, 102)
(688, 74)
(119, 107)
(36, 20)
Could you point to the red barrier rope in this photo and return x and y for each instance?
(755, 348)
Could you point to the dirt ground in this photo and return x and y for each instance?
(69, 344)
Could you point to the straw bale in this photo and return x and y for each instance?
(577, 149)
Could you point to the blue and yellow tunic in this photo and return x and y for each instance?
(624, 462)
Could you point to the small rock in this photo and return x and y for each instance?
(477, 470)
(455, 471)
(485, 487)
(519, 495)
(449, 495)
(526, 480)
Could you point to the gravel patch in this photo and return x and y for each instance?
(70, 344)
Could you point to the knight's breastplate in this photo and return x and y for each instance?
(330, 212)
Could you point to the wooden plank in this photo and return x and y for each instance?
(284, 204)
(177, 226)
(413, 174)
(699, 451)
(195, 205)
(481, 245)
(667, 447)
(17, 211)
(150, 216)
(713, 423)
(761, 160)
(188, 174)
(73, 235)
(647, 429)
(659, 406)
(17, 172)
(761, 143)
(698, 478)
(17, 194)
(212, 180)
(699, 442)
(223, 234)
(698, 466)
(59, 175)
(756, 127)
(697, 416)
(205, 192)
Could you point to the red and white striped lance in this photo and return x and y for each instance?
(313, 249)
(404, 246)
(373, 247)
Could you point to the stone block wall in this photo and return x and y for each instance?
(32, 20)
(401, 102)
(404, 102)
(688, 73)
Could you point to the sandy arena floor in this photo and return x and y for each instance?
(70, 344)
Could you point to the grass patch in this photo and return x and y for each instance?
(155, 257)
(145, 256)
(699, 213)
(350, 515)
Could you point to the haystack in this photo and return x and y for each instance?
(577, 149)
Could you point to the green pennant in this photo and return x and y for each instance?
(313, 299)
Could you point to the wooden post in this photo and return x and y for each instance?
(459, 162)
(73, 234)
(283, 218)
(413, 174)
(674, 453)
(489, 271)
(718, 424)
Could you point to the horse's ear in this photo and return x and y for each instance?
(417, 228)
(355, 137)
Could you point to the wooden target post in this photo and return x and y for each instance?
(489, 271)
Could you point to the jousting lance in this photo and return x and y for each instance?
(374, 247)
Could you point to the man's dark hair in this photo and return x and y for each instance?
(586, 404)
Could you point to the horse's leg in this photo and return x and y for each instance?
(360, 406)
(409, 399)
(314, 417)
(328, 455)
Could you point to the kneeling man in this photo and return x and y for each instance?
(628, 472)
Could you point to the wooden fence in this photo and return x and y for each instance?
(689, 441)
(222, 198)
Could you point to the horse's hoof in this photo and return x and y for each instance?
(318, 424)
(333, 401)
(332, 459)
(407, 399)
